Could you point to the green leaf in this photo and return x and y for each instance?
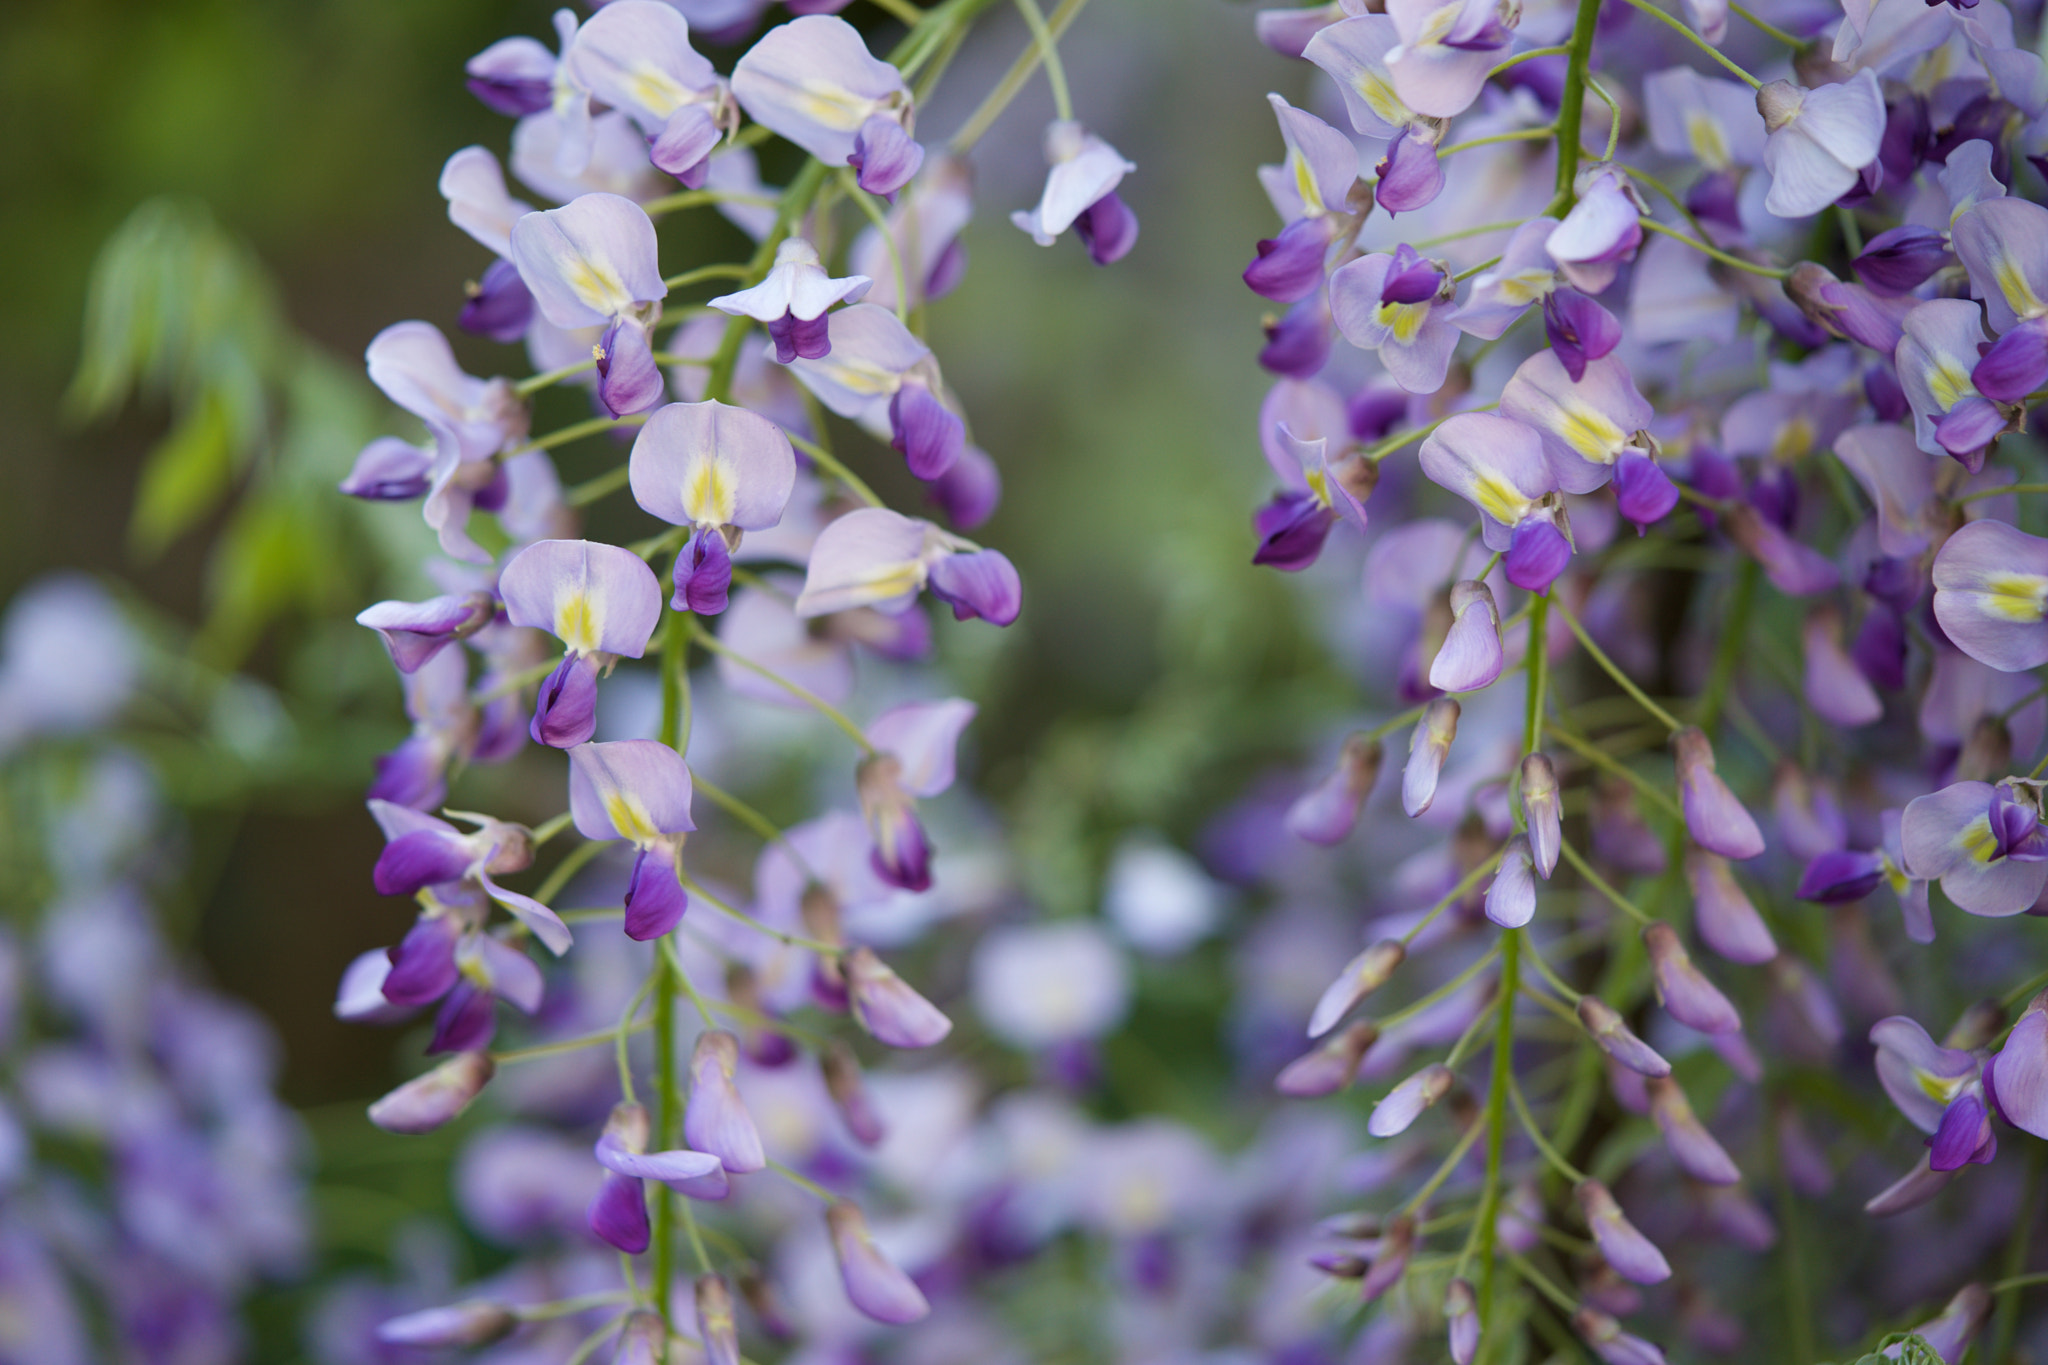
(277, 553)
(184, 478)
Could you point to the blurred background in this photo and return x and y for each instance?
(1119, 403)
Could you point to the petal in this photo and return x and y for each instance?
(1991, 595)
(636, 789)
(923, 737)
(594, 598)
(707, 464)
(589, 261)
(870, 556)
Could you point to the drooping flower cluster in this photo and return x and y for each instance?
(1789, 269)
(745, 1123)
(150, 1178)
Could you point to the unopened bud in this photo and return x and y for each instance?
(1542, 811)
(1327, 814)
(1392, 1259)
(1461, 1320)
(849, 1092)
(1976, 1028)
(426, 1102)
(1406, 1101)
(1331, 1065)
(1690, 998)
(1614, 1037)
(1779, 102)
(475, 1322)
(716, 1327)
(1361, 976)
(1428, 747)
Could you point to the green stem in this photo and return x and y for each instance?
(829, 462)
(1451, 1163)
(707, 272)
(1592, 754)
(1600, 884)
(1520, 57)
(1778, 33)
(1497, 1132)
(534, 383)
(1455, 894)
(576, 431)
(2000, 492)
(823, 707)
(1013, 80)
(1613, 670)
(1769, 272)
(902, 9)
(576, 1044)
(598, 486)
(1550, 1153)
(1443, 992)
(1536, 657)
(1571, 109)
(752, 819)
(1799, 1347)
(1543, 134)
(803, 1182)
(1701, 43)
(572, 863)
(1049, 53)
(668, 1128)
(866, 203)
(689, 199)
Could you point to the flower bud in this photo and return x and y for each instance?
(1361, 976)
(1951, 1331)
(1511, 899)
(887, 1007)
(1835, 687)
(849, 1094)
(1688, 1141)
(1715, 819)
(1471, 656)
(1542, 811)
(1617, 1040)
(643, 1342)
(1726, 919)
(426, 1102)
(1329, 1067)
(1633, 1256)
(1428, 747)
(1688, 996)
(1405, 1102)
(1327, 814)
(716, 1328)
(1977, 1026)
(474, 1322)
(874, 1284)
(1909, 1191)
(716, 1120)
(902, 853)
(1461, 1320)
(1396, 1243)
(1340, 1265)
(764, 1046)
(1609, 1342)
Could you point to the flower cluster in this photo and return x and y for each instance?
(1790, 285)
(149, 1176)
(745, 1120)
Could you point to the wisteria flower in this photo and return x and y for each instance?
(1446, 49)
(1984, 844)
(424, 851)
(635, 56)
(593, 263)
(1524, 275)
(792, 301)
(2001, 242)
(913, 757)
(637, 790)
(880, 375)
(875, 557)
(1311, 190)
(925, 226)
(1400, 306)
(1080, 192)
(1498, 466)
(599, 600)
(813, 81)
(619, 1213)
(1939, 1089)
(1602, 230)
(1991, 595)
(1586, 423)
(1818, 140)
(720, 471)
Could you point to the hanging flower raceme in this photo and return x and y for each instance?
(720, 471)
(593, 263)
(599, 600)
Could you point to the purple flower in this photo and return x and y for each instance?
(593, 263)
(1716, 820)
(2001, 242)
(1511, 896)
(1524, 275)
(813, 81)
(1410, 176)
(1726, 920)
(717, 1329)
(1610, 1343)
(1428, 746)
(1361, 976)
(913, 757)
(390, 470)
(1586, 422)
(1602, 230)
(1580, 331)
(1471, 656)
(424, 851)
(1446, 49)
(1682, 989)
(1328, 812)
(875, 557)
(516, 76)
(1943, 341)
(1329, 1067)
(792, 300)
(925, 225)
(2017, 1078)
(1614, 1037)
(1899, 260)
(1498, 465)
(877, 373)
(1398, 1109)
(635, 56)
(618, 1214)
(874, 1284)
(1712, 121)
(720, 471)
(1400, 307)
(1691, 1146)
(1818, 140)
(637, 790)
(1312, 191)
(474, 186)
(1991, 595)
(1984, 844)
(415, 632)
(887, 1007)
(716, 1120)
(1354, 53)
(425, 1103)
(474, 1322)
(1085, 172)
(600, 601)
(1941, 1090)
(1634, 1256)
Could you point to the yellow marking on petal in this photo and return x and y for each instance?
(1949, 384)
(1977, 841)
(2012, 282)
(1793, 440)
(1305, 184)
(1526, 287)
(596, 285)
(2020, 597)
(1588, 431)
(1404, 320)
(1498, 498)
(578, 622)
(834, 106)
(630, 818)
(1940, 1089)
(656, 89)
(1379, 97)
(1703, 133)
(711, 491)
(1319, 484)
